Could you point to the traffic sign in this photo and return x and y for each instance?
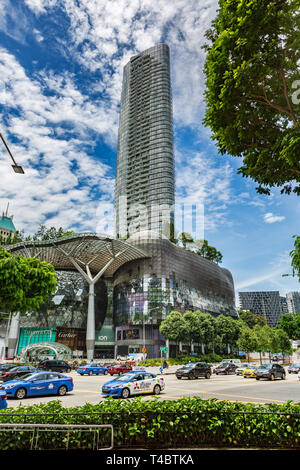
(164, 349)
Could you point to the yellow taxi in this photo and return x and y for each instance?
(249, 371)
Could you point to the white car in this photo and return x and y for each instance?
(134, 383)
(240, 370)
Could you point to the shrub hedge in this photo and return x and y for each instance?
(159, 424)
(211, 358)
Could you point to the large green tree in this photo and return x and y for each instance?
(175, 328)
(25, 283)
(251, 319)
(295, 254)
(253, 89)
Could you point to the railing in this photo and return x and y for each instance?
(66, 430)
(157, 429)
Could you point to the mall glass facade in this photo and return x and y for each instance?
(172, 278)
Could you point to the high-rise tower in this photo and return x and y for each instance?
(144, 191)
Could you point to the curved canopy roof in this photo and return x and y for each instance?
(60, 350)
(91, 252)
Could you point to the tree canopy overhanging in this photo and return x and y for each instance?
(253, 89)
(25, 283)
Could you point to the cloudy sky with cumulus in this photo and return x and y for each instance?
(61, 65)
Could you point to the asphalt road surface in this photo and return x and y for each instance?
(232, 388)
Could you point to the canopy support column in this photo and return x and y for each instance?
(90, 329)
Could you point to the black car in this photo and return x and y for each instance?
(270, 372)
(54, 365)
(5, 368)
(193, 370)
(226, 369)
(17, 372)
(294, 368)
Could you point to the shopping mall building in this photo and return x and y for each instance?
(113, 292)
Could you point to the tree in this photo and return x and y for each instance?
(25, 283)
(228, 329)
(295, 254)
(252, 89)
(283, 341)
(174, 328)
(290, 323)
(250, 319)
(247, 341)
(44, 233)
(209, 252)
(263, 335)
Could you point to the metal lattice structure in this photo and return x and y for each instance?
(92, 255)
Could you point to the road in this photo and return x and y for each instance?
(232, 388)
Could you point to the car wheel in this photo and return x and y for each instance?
(179, 378)
(257, 378)
(283, 376)
(20, 393)
(125, 393)
(207, 376)
(156, 390)
(62, 390)
(272, 377)
(191, 376)
(90, 372)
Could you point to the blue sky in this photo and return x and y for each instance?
(61, 67)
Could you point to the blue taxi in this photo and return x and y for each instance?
(39, 383)
(134, 383)
(3, 402)
(92, 369)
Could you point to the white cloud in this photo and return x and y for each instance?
(270, 218)
(62, 181)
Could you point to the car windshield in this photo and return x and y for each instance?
(189, 365)
(125, 377)
(27, 377)
(295, 365)
(265, 366)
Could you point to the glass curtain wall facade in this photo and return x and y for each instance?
(264, 303)
(172, 278)
(144, 191)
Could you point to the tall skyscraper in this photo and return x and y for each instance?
(144, 191)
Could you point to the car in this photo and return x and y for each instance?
(269, 371)
(92, 369)
(38, 383)
(3, 401)
(5, 368)
(226, 368)
(16, 372)
(240, 369)
(54, 365)
(119, 369)
(294, 368)
(193, 370)
(133, 383)
(249, 372)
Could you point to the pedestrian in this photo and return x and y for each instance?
(165, 364)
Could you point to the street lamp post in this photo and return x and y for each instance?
(17, 168)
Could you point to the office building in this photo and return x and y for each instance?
(264, 303)
(293, 302)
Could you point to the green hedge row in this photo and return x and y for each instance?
(211, 358)
(159, 424)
